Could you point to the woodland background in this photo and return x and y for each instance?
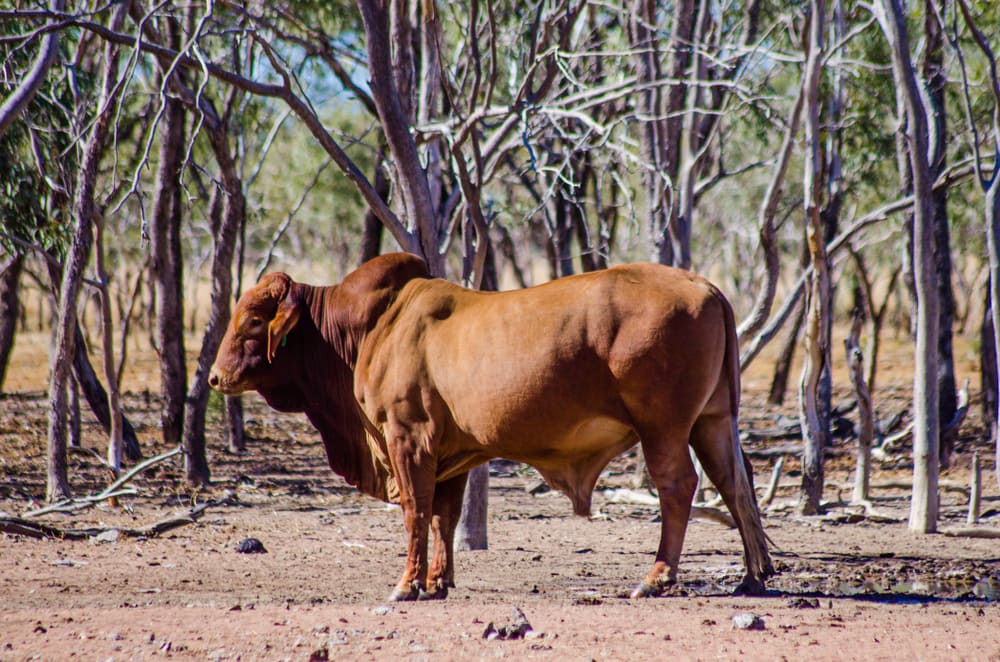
(831, 165)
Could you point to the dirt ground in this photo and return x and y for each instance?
(853, 584)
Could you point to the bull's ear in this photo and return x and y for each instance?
(285, 319)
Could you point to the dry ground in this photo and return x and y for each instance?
(851, 587)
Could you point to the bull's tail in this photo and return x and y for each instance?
(744, 505)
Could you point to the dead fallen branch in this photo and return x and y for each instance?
(115, 489)
(772, 486)
(638, 497)
(713, 515)
(971, 532)
(774, 451)
(32, 529)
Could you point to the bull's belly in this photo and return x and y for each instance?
(547, 445)
(568, 444)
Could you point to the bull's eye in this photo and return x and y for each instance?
(256, 322)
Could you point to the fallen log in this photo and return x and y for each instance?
(33, 529)
(624, 495)
(772, 486)
(971, 532)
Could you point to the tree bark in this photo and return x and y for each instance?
(115, 441)
(783, 364)
(235, 434)
(988, 366)
(866, 418)
(992, 214)
(97, 398)
(472, 532)
(933, 72)
(166, 264)
(413, 186)
(84, 209)
(926, 428)
(19, 99)
(817, 340)
(228, 207)
(88, 382)
(656, 131)
(371, 234)
(74, 412)
(10, 279)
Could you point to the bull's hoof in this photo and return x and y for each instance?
(750, 586)
(645, 590)
(404, 595)
(439, 592)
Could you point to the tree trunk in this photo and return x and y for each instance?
(88, 382)
(783, 364)
(84, 210)
(395, 116)
(924, 502)
(866, 418)
(992, 208)
(166, 270)
(653, 137)
(472, 531)
(988, 366)
(235, 434)
(10, 280)
(371, 234)
(97, 398)
(22, 95)
(932, 69)
(74, 412)
(815, 426)
(115, 443)
(228, 206)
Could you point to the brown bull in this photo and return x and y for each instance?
(413, 381)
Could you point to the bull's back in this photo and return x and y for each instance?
(554, 364)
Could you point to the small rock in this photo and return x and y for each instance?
(518, 628)
(320, 655)
(747, 621)
(111, 535)
(250, 546)
(383, 610)
(537, 487)
(804, 603)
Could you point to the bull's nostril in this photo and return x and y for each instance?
(213, 380)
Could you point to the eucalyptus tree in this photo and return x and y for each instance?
(924, 501)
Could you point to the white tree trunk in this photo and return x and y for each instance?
(115, 440)
(817, 336)
(472, 530)
(924, 501)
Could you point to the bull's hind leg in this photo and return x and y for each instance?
(447, 511)
(718, 451)
(673, 474)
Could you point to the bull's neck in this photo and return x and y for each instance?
(326, 310)
(327, 391)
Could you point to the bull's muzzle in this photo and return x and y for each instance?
(215, 379)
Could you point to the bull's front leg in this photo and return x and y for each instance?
(415, 473)
(447, 512)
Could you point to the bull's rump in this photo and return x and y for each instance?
(555, 373)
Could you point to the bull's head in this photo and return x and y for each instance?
(262, 319)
